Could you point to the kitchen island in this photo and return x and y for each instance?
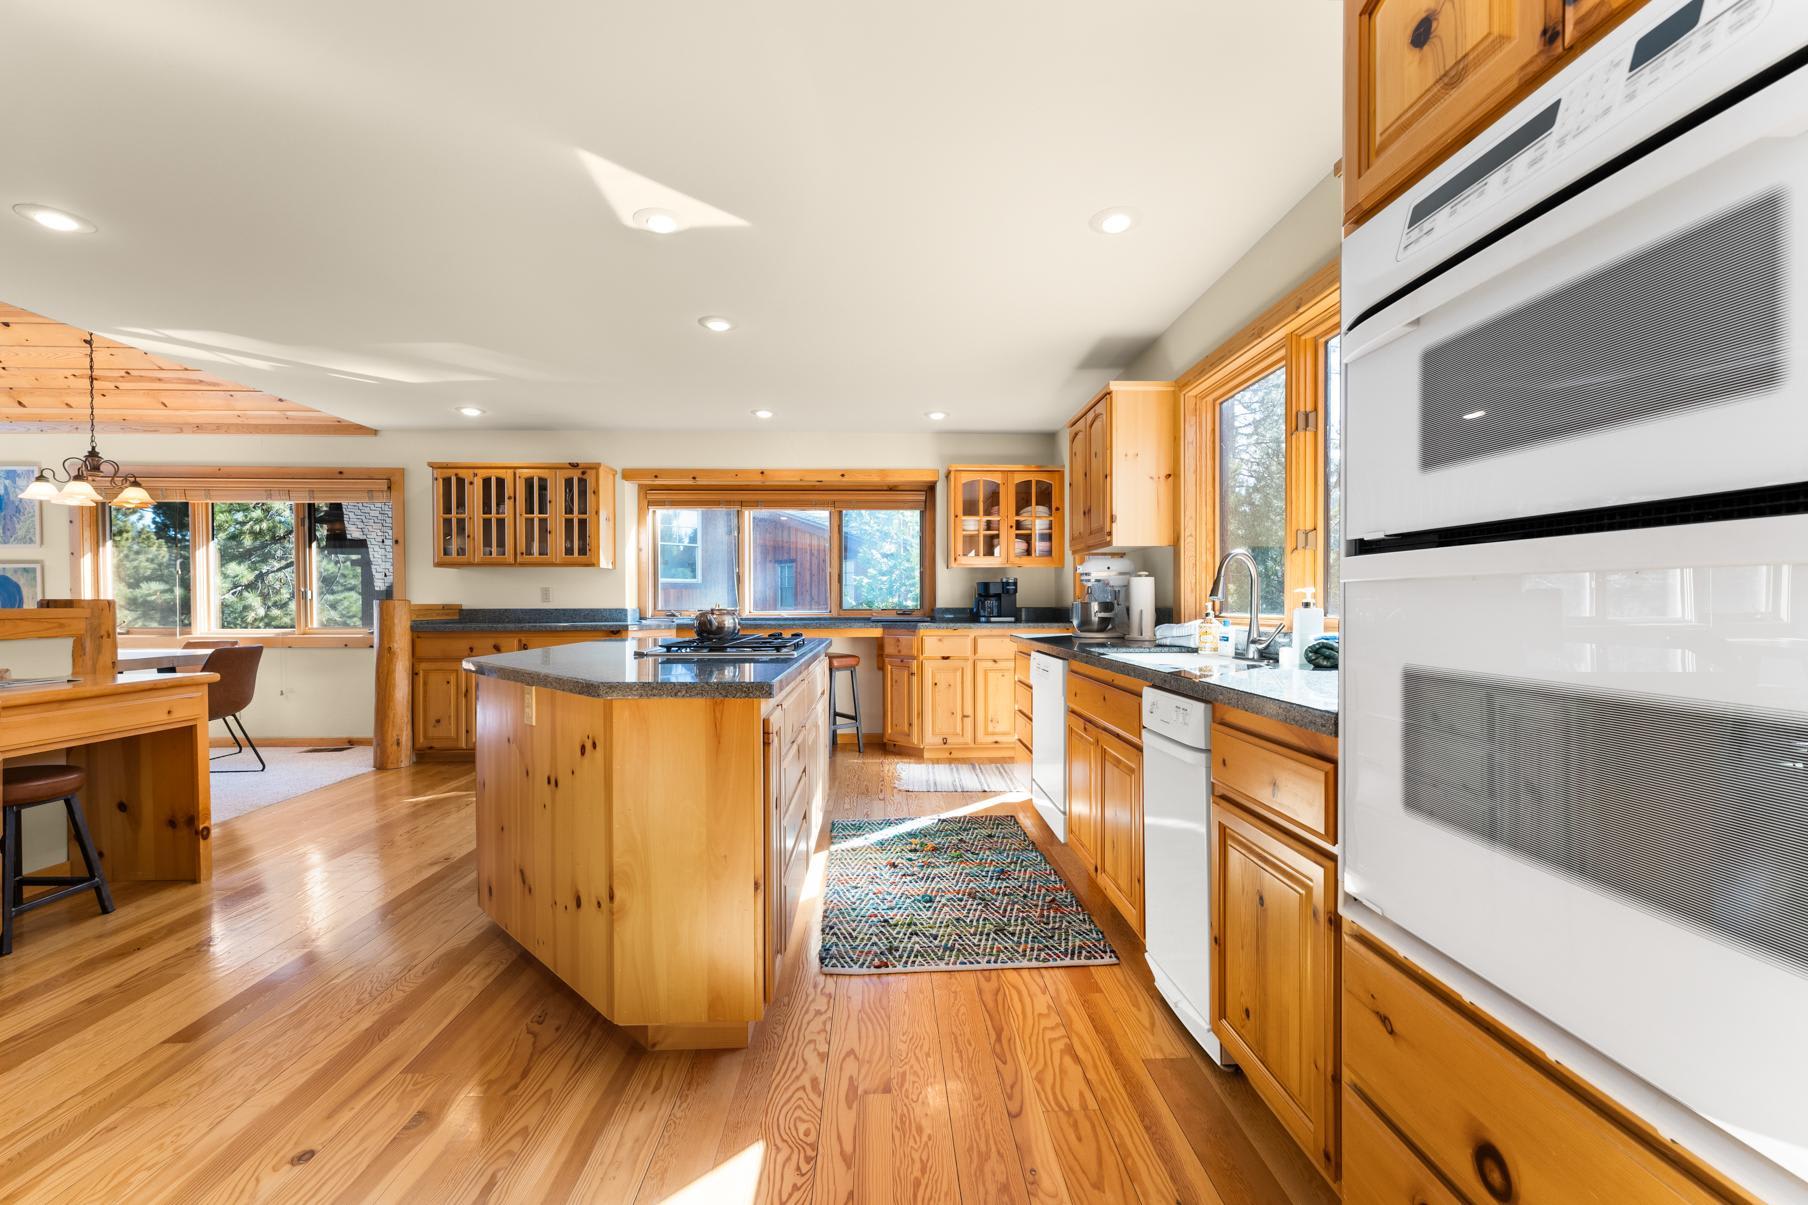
(644, 825)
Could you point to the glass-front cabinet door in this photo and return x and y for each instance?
(977, 503)
(536, 515)
(577, 516)
(1035, 518)
(451, 518)
(494, 491)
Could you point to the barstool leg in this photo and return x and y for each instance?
(859, 731)
(11, 836)
(15, 865)
(90, 859)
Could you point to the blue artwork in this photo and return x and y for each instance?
(18, 517)
(21, 584)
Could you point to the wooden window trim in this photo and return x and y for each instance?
(1290, 333)
(91, 566)
(902, 490)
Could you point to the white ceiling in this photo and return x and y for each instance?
(408, 192)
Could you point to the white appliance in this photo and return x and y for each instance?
(1575, 614)
(1177, 813)
(1140, 599)
(1048, 736)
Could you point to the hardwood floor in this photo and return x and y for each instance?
(333, 1019)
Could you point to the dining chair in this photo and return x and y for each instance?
(236, 664)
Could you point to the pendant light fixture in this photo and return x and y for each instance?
(82, 474)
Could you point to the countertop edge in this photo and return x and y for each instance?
(487, 667)
(1299, 715)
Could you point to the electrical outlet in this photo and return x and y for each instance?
(545, 594)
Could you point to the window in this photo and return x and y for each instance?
(881, 562)
(150, 554)
(788, 552)
(1252, 487)
(302, 570)
(788, 560)
(1262, 429)
(695, 562)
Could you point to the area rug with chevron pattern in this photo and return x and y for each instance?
(951, 893)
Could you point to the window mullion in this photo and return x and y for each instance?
(307, 613)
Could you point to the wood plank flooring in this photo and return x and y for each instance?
(332, 1018)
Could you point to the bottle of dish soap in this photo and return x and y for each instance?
(1308, 619)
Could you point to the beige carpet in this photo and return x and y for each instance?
(292, 772)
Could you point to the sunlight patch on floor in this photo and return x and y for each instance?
(727, 1183)
(917, 822)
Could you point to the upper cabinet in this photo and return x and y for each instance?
(1422, 77)
(523, 514)
(1005, 516)
(1121, 468)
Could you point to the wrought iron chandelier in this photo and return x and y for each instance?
(84, 477)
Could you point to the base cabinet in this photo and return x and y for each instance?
(900, 701)
(1275, 971)
(952, 692)
(444, 697)
(1105, 790)
(1438, 1093)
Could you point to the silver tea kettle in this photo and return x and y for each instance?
(718, 623)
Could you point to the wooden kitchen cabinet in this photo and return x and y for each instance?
(1274, 972)
(442, 706)
(901, 701)
(1105, 787)
(1421, 79)
(1120, 845)
(1083, 790)
(994, 703)
(443, 697)
(947, 685)
(1122, 466)
(1008, 516)
(523, 514)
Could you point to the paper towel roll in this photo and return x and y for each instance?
(1142, 607)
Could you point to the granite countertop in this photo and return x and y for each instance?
(579, 619)
(1304, 698)
(608, 669)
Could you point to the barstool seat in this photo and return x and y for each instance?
(840, 721)
(27, 786)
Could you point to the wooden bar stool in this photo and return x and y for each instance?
(22, 787)
(841, 720)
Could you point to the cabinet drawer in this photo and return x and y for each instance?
(893, 645)
(1291, 787)
(947, 646)
(1023, 698)
(1021, 668)
(800, 784)
(1379, 1169)
(1024, 731)
(1108, 705)
(1495, 1124)
(445, 646)
(994, 648)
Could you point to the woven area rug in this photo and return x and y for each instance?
(959, 893)
(955, 777)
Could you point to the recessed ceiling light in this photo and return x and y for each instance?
(713, 322)
(1474, 414)
(762, 414)
(55, 219)
(1113, 221)
(659, 221)
(935, 416)
(472, 411)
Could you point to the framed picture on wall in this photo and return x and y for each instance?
(21, 520)
(21, 583)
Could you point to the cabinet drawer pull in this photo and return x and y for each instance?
(1491, 1168)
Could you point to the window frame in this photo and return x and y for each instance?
(729, 491)
(1293, 335)
(92, 568)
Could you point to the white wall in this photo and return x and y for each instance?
(331, 692)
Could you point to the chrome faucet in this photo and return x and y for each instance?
(1255, 647)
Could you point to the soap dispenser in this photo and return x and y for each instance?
(1308, 619)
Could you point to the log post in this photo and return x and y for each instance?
(392, 733)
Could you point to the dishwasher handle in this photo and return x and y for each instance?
(1167, 746)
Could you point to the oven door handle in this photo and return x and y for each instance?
(1349, 355)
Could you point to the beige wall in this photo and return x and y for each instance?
(1293, 249)
(331, 692)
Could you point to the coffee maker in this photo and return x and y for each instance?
(996, 602)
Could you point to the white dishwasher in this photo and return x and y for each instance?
(1177, 801)
(1048, 739)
